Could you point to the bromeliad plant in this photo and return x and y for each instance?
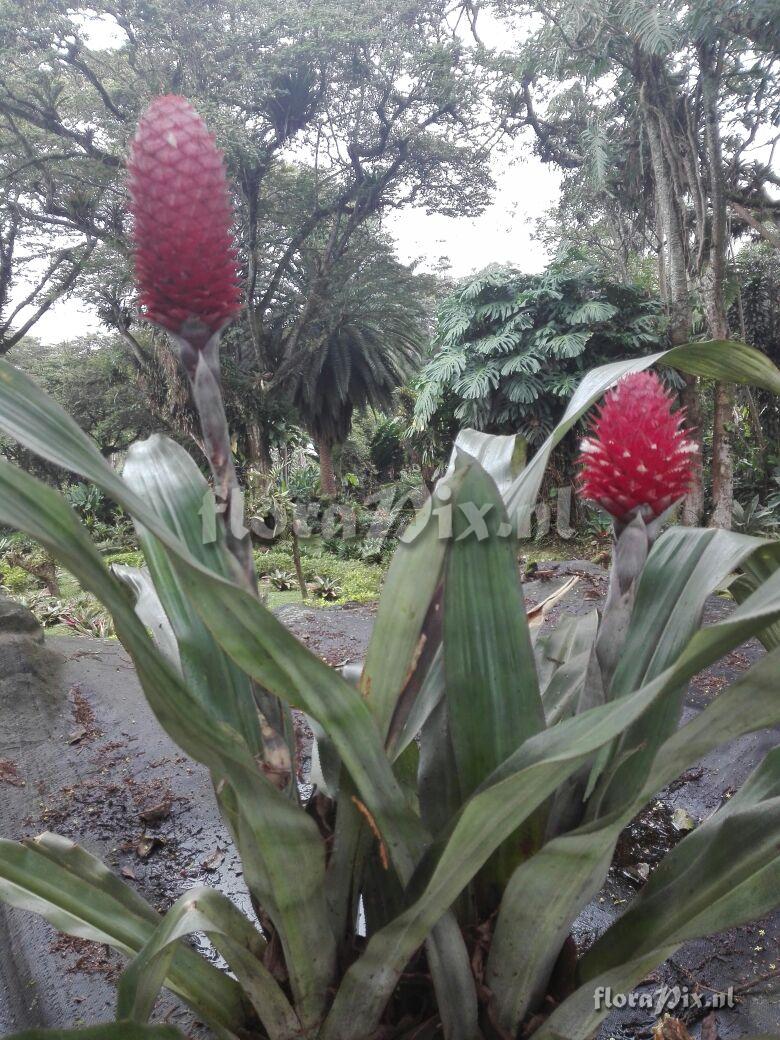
(470, 788)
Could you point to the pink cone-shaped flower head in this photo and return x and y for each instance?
(185, 256)
(637, 453)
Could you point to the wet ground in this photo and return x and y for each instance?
(89, 761)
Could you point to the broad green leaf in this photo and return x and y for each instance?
(166, 477)
(568, 872)
(697, 884)
(563, 691)
(755, 570)
(727, 361)
(491, 687)
(501, 456)
(205, 910)
(252, 636)
(683, 568)
(286, 873)
(531, 774)
(78, 895)
(490, 673)
(105, 1031)
(408, 591)
(723, 874)
(504, 802)
(572, 636)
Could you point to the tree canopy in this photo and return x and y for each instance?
(510, 348)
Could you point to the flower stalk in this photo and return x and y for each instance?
(187, 275)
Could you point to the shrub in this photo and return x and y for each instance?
(325, 588)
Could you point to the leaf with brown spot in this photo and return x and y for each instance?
(362, 809)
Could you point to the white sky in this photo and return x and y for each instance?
(525, 189)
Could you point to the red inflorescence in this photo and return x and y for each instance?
(637, 454)
(185, 256)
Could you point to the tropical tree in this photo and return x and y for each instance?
(366, 341)
(329, 114)
(660, 106)
(509, 349)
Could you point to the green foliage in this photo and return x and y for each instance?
(93, 379)
(753, 518)
(387, 452)
(325, 588)
(358, 581)
(282, 580)
(367, 342)
(509, 349)
(15, 579)
(88, 500)
(470, 790)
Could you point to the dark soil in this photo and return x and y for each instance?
(89, 761)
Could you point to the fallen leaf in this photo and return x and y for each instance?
(9, 773)
(147, 844)
(156, 813)
(128, 873)
(682, 820)
(214, 861)
(671, 1029)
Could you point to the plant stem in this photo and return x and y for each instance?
(200, 358)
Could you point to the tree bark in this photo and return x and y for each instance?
(722, 464)
(677, 296)
(257, 450)
(296, 555)
(328, 486)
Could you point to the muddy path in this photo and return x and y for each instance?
(81, 754)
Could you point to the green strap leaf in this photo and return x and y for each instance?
(755, 570)
(568, 872)
(287, 876)
(723, 874)
(409, 588)
(166, 477)
(75, 892)
(491, 687)
(205, 910)
(682, 570)
(504, 802)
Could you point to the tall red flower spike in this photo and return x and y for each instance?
(185, 256)
(637, 453)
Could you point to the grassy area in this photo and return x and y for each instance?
(357, 582)
(349, 580)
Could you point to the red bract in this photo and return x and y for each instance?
(637, 453)
(185, 257)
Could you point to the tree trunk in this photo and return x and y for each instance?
(296, 555)
(678, 299)
(722, 466)
(257, 451)
(328, 486)
(693, 506)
